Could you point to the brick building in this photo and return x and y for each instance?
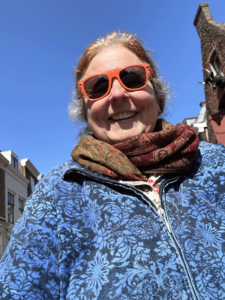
(212, 38)
(17, 181)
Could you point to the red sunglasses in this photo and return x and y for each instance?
(132, 78)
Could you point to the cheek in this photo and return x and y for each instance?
(95, 112)
(149, 102)
(150, 108)
(152, 96)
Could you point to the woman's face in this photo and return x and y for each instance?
(121, 115)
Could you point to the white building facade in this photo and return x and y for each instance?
(14, 190)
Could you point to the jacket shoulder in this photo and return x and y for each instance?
(60, 169)
(56, 174)
(211, 155)
(206, 148)
(210, 160)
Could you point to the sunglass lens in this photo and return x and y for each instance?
(133, 77)
(96, 86)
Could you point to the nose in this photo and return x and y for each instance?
(117, 92)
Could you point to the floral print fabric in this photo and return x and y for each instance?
(90, 237)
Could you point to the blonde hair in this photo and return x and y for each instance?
(77, 108)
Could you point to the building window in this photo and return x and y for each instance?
(14, 163)
(32, 183)
(10, 208)
(21, 207)
(215, 63)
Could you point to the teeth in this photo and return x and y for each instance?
(123, 116)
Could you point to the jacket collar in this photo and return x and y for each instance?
(74, 172)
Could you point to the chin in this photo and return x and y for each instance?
(122, 137)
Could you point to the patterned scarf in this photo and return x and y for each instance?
(169, 149)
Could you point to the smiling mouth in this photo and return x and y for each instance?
(123, 116)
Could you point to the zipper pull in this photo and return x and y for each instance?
(163, 215)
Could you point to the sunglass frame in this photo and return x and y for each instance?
(115, 74)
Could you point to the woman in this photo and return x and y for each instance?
(139, 211)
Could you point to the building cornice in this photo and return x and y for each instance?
(3, 161)
(25, 162)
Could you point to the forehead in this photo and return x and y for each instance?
(111, 58)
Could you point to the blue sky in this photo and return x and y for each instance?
(41, 42)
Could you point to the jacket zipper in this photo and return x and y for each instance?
(162, 214)
(160, 211)
(163, 185)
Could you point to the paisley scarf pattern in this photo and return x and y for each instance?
(169, 149)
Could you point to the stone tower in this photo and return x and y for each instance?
(212, 38)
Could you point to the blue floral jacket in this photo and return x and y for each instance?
(85, 236)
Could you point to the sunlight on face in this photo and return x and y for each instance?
(122, 114)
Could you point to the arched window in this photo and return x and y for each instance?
(215, 63)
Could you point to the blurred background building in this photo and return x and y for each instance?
(17, 182)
